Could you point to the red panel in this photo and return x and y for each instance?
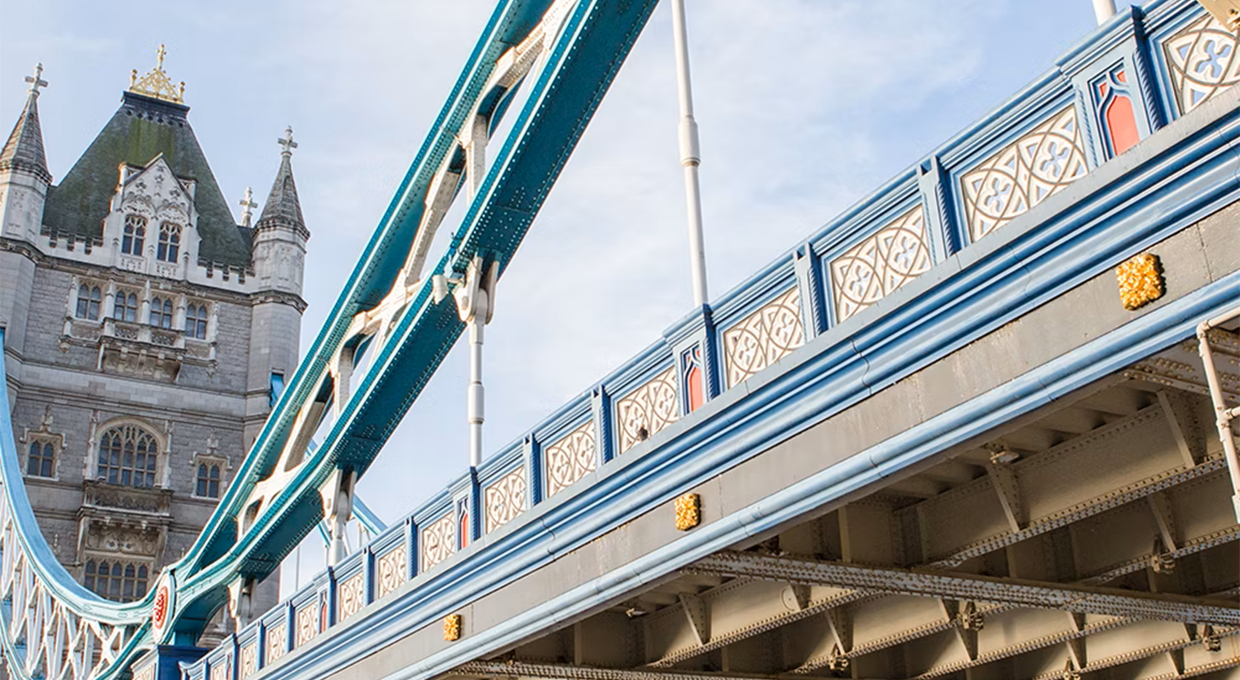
(1122, 123)
(697, 395)
(465, 530)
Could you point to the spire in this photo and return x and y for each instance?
(24, 150)
(282, 207)
(247, 207)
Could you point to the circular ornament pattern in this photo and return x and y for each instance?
(161, 611)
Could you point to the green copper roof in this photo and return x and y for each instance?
(140, 130)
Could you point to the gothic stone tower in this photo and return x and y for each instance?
(146, 333)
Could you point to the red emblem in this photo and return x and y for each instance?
(159, 613)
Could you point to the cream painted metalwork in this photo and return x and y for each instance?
(764, 337)
(391, 568)
(570, 458)
(872, 269)
(1203, 62)
(438, 542)
(1024, 173)
(647, 409)
(504, 499)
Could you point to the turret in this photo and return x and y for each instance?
(24, 180)
(280, 235)
(279, 253)
(23, 170)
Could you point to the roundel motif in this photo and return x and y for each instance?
(161, 611)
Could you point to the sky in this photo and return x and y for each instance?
(804, 108)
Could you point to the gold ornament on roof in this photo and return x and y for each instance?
(156, 82)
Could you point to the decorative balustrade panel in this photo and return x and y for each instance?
(1024, 173)
(438, 542)
(277, 642)
(570, 458)
(1203, 62)
(351, 596)
(307, 623)
(764, 337)
(390, 570)
(504, 499)
(872, 269)
(249, 659)
(647, 409)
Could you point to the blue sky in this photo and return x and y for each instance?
(805, 106)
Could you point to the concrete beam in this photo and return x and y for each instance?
(925, 583)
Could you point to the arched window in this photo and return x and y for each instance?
(161, 312)
(40, 459)
(88, 302)
(123, 582)
(126, 306)
(127, 456)
(169, 242)
(196, 321)
(208, 481)
(135, 233)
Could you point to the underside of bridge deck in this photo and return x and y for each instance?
(1093, 539)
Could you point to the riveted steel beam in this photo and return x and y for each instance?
(556, 671)
(927, 583)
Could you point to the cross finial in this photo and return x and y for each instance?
(36, 81)
(287, 141)
(247, 205)
(159, 63)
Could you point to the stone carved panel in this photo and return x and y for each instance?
(352, 596)
(570, 458)
(1203, 62)
(277, 641)
(115, 497)
(872, 269)
(504, 499)
(222, 669)
(647, 409)
(105, 537)
(390, 570)
(438, 542)
(764, 337)
(1024, 173)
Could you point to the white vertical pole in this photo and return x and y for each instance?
(690, 154)
(1103, 10)
(476, 393)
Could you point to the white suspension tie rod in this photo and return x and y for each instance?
(690, 155)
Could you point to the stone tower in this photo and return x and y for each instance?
(146, 333)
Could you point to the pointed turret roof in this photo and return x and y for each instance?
(24, 150)
(282, 207)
